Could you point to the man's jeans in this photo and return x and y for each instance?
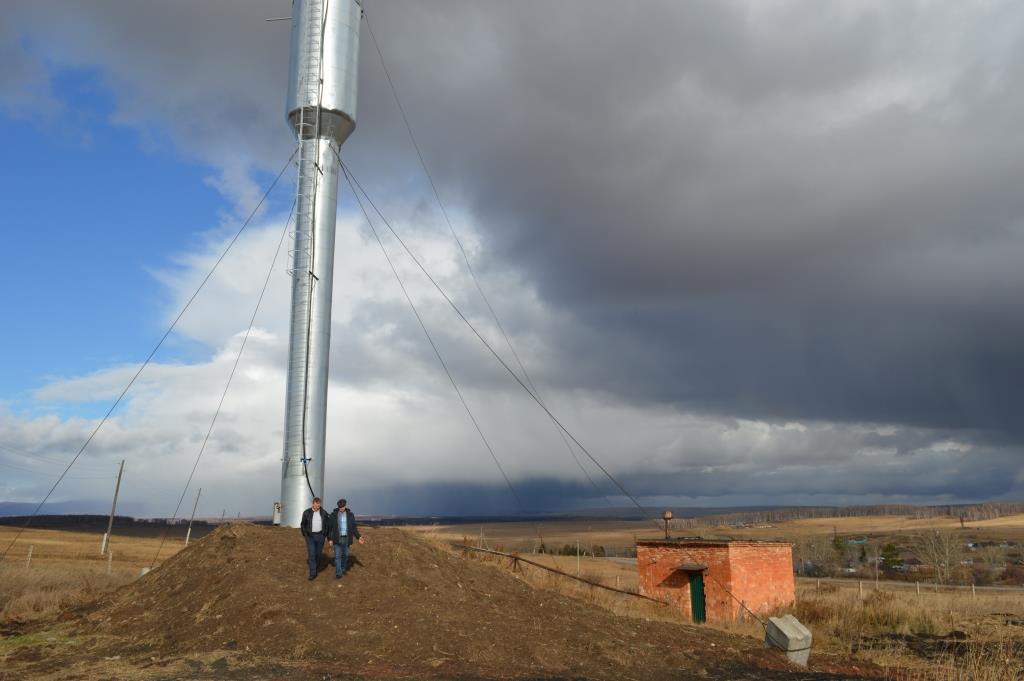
(314, 547)
(340, 556)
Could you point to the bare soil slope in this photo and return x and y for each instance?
(407, 608)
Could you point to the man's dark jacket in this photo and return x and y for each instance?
(335, 527)
(306, 524)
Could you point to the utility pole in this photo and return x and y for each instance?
(113, 507)
(577, 556)
(193, 516)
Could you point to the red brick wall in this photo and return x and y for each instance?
(761, 574)
(659, 579)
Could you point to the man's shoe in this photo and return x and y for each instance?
(337, 576)
(312, 577)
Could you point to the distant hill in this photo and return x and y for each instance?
(969, 513)
(73, 507)
(629, 513)
(8, 508)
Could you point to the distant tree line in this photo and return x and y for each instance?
(95, 522)
(597, 551)
(966, 512)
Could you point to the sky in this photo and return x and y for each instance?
(751, 252)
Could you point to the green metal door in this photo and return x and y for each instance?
(697, 596)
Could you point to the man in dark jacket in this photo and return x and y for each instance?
(342, 531)
(314, 525)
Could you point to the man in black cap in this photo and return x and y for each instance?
(342, 531)
(314, 526)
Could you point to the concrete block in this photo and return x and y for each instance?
(790, 636)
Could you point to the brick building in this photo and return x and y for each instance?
(697, 573)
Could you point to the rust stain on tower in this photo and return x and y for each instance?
(698, 574)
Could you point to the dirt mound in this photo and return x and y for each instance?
(406, 608)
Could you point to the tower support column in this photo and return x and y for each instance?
(321, 111)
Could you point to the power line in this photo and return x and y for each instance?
(433, 345)
(490, 348)
(352, 179)
(70, 477)
(152, 352)
(531, 389)
(231, 376)
(462, 249)
(40, 457)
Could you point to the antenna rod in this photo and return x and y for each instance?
(321, 110)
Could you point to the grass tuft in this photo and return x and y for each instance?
(45, 591)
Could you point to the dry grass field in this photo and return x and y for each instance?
(620, 573)
(46, 590)
(1009, 528)
(947, 635)
(526, 536)
(82, 549)
(523, 536)
(66, 569)
(944, 634)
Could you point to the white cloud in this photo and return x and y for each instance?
(394, 420)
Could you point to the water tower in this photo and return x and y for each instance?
(321, 111)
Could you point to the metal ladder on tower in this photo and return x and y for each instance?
(309, 129)
(308, 177)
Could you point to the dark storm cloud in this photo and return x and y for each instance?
(811, 211)
(796, 210)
